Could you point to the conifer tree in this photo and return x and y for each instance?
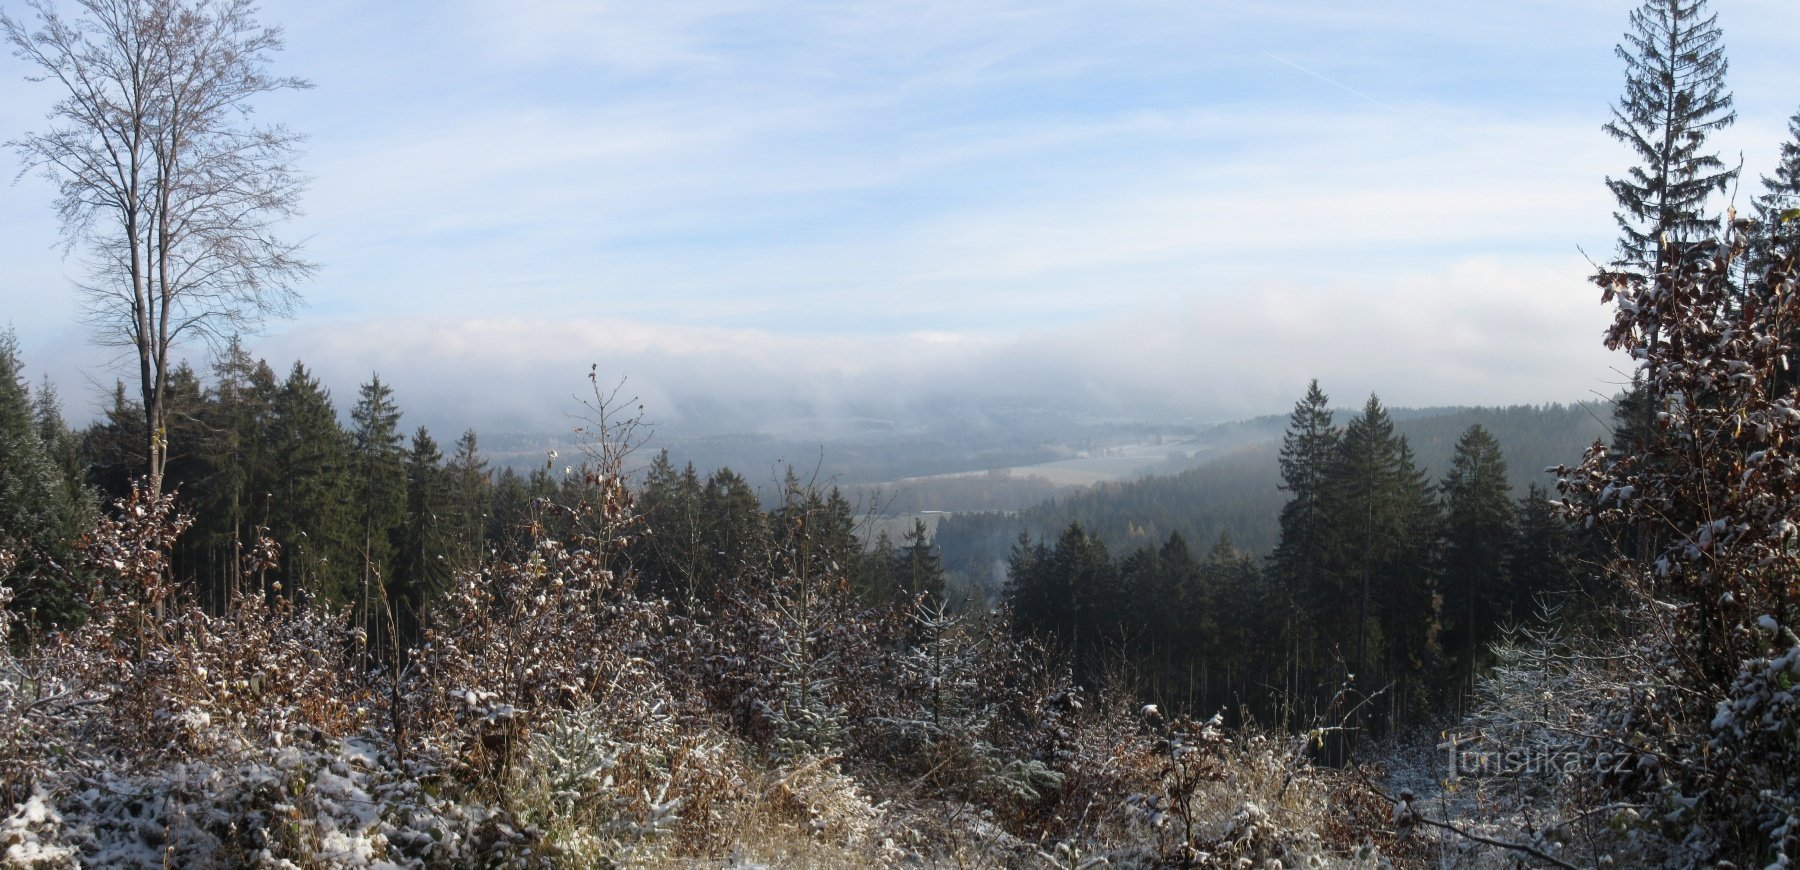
(733, 528)
(231, 491)
(1081, 598)
(311, 515)
(671, 556)
(1170, 599)
(1778, 225)
(1674, 98)
(1307, 453)
(62, 445)
(1382, 519)
(184, 431)
(1189, 614)
(1363, 515)
(378, 480)
(471, 495)
(923, 572)
(1027, 589)
(942, 672)
(1410, 600)
(509, 510)
(877, 580)
(1543, 553)
(421, 565)
(1241, 647)
(1477, 537)
(111, 448)
(38, 520)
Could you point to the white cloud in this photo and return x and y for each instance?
(747, 201)
(1483, 331)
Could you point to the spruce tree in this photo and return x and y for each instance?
(39, 521)
(1364, 517)
(671, 554)
(1307, 452)
(112, 448)
(1409, 604)
(185, 435)
(1241, 646)
(509, 511)
(923, 571)
(311, 515)
(421, 564)
(734, 529)
(471, 496)
(231, 493)
(1777, 218)
(1027, 590)
(1543, 554)
(62, 445)
(378, 481)
(1083, 598)
(1382, 520)
(1191, 616)
(1477, 537)
(877, 581)
(1674, 97)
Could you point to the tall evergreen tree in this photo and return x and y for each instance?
(231, 491)
(922, 572)
(877, 581)
(62, 445)
(421, 564)
(1382, 519)
(1240, 652)
(1477, 537)
(1365, 518)
(1070, 592)
(112, 448)
(1778, 225)
(510, 511)
(311, 515)
(471, 495)
(1411, 603)
(1674, 98)
(184, 434)
(1307, 452)
(38, 518)
(671, 555)
(1175, 604)
(1543, 554)
(378, 481)
(735, 531)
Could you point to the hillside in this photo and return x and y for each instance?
(1237, 492)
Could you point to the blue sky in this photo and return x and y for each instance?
(1191, 205)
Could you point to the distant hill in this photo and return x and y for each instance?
(1237, 491)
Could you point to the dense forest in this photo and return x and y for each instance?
(1238, 493)
(1379, 571)
(248, 623)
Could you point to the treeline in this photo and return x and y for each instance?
(1378, 571)
(368, 516)
(365, 514)
(1238, 493)
(705, 531)
(1383, 580)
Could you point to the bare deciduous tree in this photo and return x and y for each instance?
(165, 183)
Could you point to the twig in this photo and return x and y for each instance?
(1503, 844)
(1490, 841)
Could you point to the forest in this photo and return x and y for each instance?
(249, 623)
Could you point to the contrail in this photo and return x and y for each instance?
(1333, 82)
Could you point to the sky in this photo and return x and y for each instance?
(1189, 207)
